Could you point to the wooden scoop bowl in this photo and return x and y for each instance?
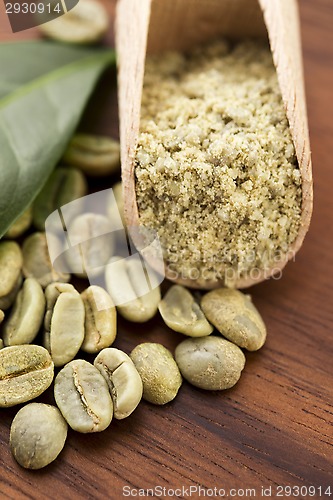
(150, 26)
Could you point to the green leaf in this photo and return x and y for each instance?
(44, 88)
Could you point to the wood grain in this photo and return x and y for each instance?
(275, 426)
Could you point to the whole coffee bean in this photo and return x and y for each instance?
(183, 314)
(37, 435)
(21, 225)
(52, 293)
(83, 397)
(94, 155)
(234, 315)
(26, 316)
(7, 301)
(10, 272)
(64, 322)
(36, 260)
(135, 299)
(211, 363)
(123, 379)
(159, 372)
(86, 23)
(63, 186)
(100, 319)
(25, 372)
(93, 244)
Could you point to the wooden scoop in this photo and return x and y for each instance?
(150, 26)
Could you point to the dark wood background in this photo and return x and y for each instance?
(275, 427)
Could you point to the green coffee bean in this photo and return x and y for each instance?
(100, 319)
(123, 379)
(90, 257)
(64, 322)
(86, 23)
(83, 397)
(211, 363)
(234, 315)
(26, 316)
(63, 186)
(131, 298)
(36, 260)
(94, 155)
(52, 293)
(25, 372)
(183, 314)
(37, 435)
(7, 301)
(10, 272)
(21, 225)
(159, 372)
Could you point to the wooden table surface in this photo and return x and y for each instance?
(275, 427)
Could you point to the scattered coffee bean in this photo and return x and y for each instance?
(86, 23)
(10, 272)
(64, 322)
(37, 435)
(159, 372)
(211, 363)
(93, 244)
(183, 314)
(100, 319)
(36, 260)
(234, 315)
(83, 397)
(135, 299)
(21, 225)
(26, 316)
(7, 301)
(63, 186)
(94, 155)
(25, 372)
(123, 379)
